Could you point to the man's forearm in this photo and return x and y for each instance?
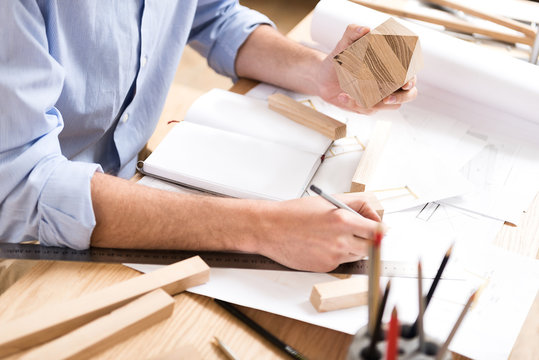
(270, 57)
(134, 216)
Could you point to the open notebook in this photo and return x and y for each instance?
(234, 145)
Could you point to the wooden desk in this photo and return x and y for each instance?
(197, 319)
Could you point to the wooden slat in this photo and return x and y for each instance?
(307, 116)
(57, 319)
(497, 19)
(370, 157)
(109, 330)
(451, 23)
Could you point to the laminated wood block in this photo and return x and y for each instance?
(340, 294)
(379, 63)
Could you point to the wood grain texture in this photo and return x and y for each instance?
(56, 319)
(370, 157)
(307, 116)
(108, 330)
(340, 294)
(379, 63)
(433, 16)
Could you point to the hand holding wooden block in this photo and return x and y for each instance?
(340, 294)
(379, 63)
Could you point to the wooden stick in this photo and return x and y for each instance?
(445, 346)
(107, 330)
(421, 307)
(370, 157)
(307, 116)
(340, 294)
(374, 278)
(497, 19)
(57, 319)
(450, 23)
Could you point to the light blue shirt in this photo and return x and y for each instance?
(66, 68)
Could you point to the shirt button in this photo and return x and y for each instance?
(143, 61)
(125, 117)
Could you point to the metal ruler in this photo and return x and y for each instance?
(166, 257)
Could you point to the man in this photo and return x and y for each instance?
(82, 85)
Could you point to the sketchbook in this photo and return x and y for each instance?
(234, 145)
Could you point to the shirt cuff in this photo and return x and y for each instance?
(223, 55)
(65, 206)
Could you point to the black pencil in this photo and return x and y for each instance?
(290, 351)
(413, 329)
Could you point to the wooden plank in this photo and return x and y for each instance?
(108, 330)
(370, 157)
(57, 319)
(340, 294)
(497, 19)
(307, 116)
(438, 17)
(379, 63)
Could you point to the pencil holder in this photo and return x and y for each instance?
(408, 348)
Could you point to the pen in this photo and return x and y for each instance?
(294, 354)
(393, 336)
(421, 307)
(370, 352)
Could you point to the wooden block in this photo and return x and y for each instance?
(307, 116)
(108, 330)
(379, 63)
(340, 294)
(370, 157)
(57, 319)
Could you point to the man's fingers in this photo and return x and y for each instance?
(351, 34)
(401, 96)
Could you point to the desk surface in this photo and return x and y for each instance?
(197, 319)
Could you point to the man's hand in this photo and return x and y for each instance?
(330, 90)
(312, 234)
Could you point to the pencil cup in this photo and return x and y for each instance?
(408, 348)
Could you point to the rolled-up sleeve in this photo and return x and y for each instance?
(43, 195)
(219, 30)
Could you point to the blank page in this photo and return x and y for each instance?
(231, 164)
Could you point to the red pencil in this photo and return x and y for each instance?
(393, 336)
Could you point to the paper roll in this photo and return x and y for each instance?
(451, 65)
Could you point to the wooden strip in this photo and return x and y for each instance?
(340, 294)
(307, 116)
(108, 330)
(57, 319)
(497, 19)
(450, 23)
(369, 159)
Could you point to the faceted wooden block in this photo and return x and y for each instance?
(379, 63)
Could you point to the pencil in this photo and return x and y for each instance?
(225, 349)
(370, 352)
(393, 336)
(445, 346)
(421, 307)
(331, 199)
(413, 328)
(290, 351)
(374, 278)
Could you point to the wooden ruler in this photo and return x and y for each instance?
(166, 257)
